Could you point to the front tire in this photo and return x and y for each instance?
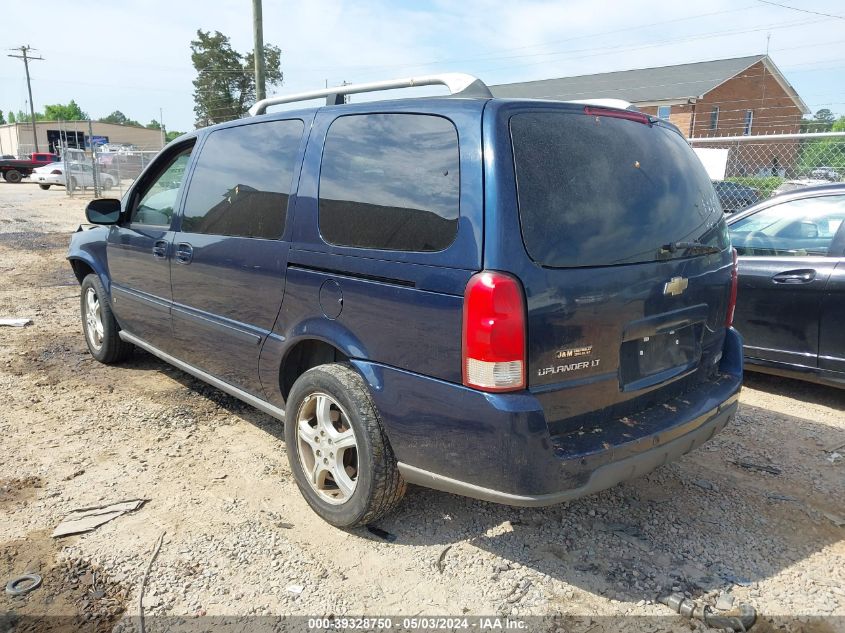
(338, 451)
(44, 187)
(99, 325)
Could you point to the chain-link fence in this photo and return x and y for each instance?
(105, 174)
(747, 169)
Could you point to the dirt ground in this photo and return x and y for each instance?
(240, 541)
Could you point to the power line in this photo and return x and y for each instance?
(785, 6)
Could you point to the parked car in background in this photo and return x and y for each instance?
(394, 322)
(734, 196)
(81, 176)
(14, 170)
(791, 295)
(826, 173)
(797, 183)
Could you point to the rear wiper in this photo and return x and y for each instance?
(696, 247)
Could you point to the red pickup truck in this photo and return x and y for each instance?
(13, 170)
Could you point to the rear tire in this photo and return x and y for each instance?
(13, 176)
(328, 407)
(44, 187)
(99, 325)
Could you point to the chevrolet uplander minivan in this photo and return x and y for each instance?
(519, 301)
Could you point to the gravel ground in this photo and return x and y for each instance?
(240, 541)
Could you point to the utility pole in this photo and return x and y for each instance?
(95, 172)
(161, 125)
(26, 59)
(258, 38)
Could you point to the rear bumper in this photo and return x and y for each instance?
(601, 478)
(498, 447)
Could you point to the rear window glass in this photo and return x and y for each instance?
(390, 182)
(242, 180)
(599, 191)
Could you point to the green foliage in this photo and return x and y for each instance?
(825, 152)
(2, 118)
(764, 184)
(119, 118)
(69, 112)
(169, 136)
(822, 121)
(225, 84)
(26, 117)
(153, 125)
(12, 118)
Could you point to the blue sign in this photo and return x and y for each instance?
(97, 140)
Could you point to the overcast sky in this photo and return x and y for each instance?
(135, 56)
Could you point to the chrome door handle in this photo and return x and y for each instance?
(795, 276)
(184, 253)
(160, 249)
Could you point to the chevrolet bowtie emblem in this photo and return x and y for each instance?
(675, 286)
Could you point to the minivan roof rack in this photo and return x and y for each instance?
(457, 83)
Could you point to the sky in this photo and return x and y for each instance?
(135, 56)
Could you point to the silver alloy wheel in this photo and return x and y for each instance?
(93, 319)
(328, 450)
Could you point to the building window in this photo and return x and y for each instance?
(749, 118)
(714, 118)
(663, 112)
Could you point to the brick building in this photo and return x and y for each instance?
(725, 97)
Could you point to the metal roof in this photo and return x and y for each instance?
(665, 83)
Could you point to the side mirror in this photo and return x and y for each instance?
(103, 211)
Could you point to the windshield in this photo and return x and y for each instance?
(600, 191)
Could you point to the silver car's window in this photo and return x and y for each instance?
(796, 228)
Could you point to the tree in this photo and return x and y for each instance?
(824, 152)
(169, 136)
(824, 116)
(26, 117)
(12, 118)
(2, 118)
(69, 112)
(119, 118)
(225, 84)
(822, 121)
(153, 125)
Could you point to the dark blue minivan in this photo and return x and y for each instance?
(515, 300)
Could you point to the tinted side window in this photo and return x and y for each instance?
(391, 182)
(157, 200)
(241, 183)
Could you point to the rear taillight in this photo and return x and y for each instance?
(493, 354)
(57, 171)
(729, 317)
